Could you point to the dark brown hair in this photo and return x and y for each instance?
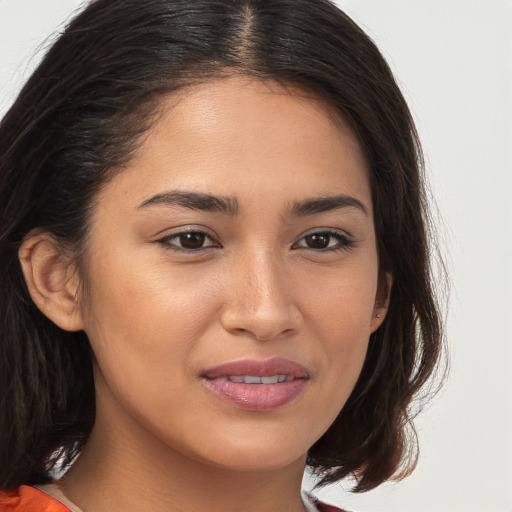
(81, 115)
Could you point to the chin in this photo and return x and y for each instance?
(260, 462)
(258, 453)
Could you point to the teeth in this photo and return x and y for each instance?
(249, 379)
(270, 380)
(253, 379)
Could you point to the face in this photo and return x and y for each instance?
(232, 277)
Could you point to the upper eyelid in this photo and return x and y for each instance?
(179, 230)
(176, 232)
(329, 231)
(166, 238)
(345, 240)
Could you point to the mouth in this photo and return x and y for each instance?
(254, 379)
(257, 385)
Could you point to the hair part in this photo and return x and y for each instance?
(79, 119)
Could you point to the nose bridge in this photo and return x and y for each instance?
(264, 273)
(262, 295)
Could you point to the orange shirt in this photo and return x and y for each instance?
(29, 499)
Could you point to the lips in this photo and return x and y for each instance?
(265, 368)
(257, 385)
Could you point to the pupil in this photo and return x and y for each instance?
(318, 241)
(192, 240)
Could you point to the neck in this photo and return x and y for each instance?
(122, 468)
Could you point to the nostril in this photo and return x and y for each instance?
(247, 332)
(261, 320)
(261, 336)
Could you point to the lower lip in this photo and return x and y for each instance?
(257, 397)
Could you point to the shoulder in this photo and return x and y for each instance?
(323, 507)
(29, 499)
(313, 504)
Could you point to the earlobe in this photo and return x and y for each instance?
(382, 298)
(50, 280)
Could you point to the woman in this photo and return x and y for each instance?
(214, 262)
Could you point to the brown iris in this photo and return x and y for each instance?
(193, 240)
(318, 241)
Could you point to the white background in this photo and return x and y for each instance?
(453, 59)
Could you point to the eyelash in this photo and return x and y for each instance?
(343, 242)
(166, 241)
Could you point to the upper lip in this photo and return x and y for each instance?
(258, 368)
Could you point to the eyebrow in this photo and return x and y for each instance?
(325, 204)
(229, 205)
(194, 201)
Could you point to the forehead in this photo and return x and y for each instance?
(239, 136)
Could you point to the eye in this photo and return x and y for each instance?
(325, 241)
(190, 241)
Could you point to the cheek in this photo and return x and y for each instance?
(143, 326)
(342, 303)
(136, 295)
(340, 311)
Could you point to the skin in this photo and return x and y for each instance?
(260, 287)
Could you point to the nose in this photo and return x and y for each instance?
(261, 300)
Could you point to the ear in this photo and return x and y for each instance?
(51, 280)
(382, 296)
